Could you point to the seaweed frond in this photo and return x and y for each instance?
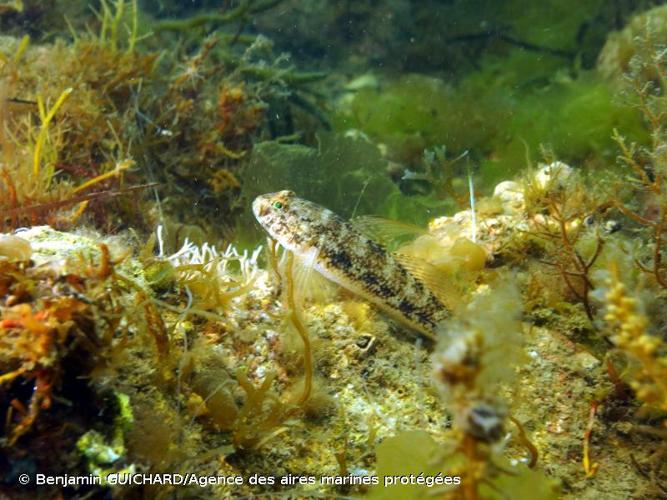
(295, 318)
(629, 331)
(562, 208)
(46, 119)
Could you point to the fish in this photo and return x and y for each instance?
(344, 254)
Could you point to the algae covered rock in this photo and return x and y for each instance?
(500, 127)
(62, 317)
(622, 46)
(416, 112)
(348, 175)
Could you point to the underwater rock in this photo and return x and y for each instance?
(56, 249)
(416, 112)
(622, 46)
(586, 361)
(361, 363)
(510, 193)
(492, 232)
(347, 175)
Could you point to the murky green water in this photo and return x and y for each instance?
(473, 306)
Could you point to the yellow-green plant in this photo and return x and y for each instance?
(46, 118)
(629, 331)
(112, 16)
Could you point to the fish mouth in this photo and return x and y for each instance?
(260, 206)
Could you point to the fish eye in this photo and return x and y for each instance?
(277, 205)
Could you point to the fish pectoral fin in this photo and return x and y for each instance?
(308, 283)
(436, 280)
(388, 233)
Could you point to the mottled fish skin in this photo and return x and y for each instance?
(349, 258)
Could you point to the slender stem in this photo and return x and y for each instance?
(44, 128)
(215, 19)
(657, 250)
(469, 448)
(301, 329)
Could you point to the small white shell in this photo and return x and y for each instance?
(14, 249)
(553, 174)
(510, 194)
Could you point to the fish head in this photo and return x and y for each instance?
(272, 207)
(280, 214)
(298, 225)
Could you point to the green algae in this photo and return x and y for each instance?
(416, 112)
(574, 118)
(361, 184)
(501, 128)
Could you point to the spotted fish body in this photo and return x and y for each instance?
(347, 257)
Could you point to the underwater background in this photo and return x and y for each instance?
(511, 155)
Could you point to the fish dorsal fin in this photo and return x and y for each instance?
(436, 280)
(388, 233)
